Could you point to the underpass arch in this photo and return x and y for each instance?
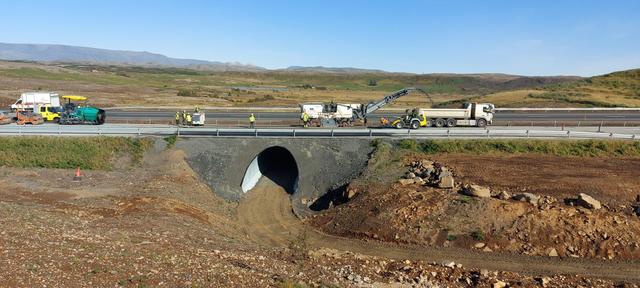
(276, 163)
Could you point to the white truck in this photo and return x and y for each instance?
(330, 115)
(29, 100)
(471, 114)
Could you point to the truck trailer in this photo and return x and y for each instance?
(29, 100)
(471, 114)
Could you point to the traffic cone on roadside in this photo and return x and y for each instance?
(78, 176)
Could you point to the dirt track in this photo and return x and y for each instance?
(266, 215)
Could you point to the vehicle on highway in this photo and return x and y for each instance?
(24, 117)
(74, 114)
(5, 118)
(341, 115)
(471, 114)
(29, 100)
(49, 113)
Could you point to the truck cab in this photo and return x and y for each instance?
(49, 113)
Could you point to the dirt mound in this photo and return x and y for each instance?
(425, 215)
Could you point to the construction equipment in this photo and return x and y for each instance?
(76, 114)
(471, 114)
(28, 117)
(413, 119)
(5, 118)
(29, 100)
(339, 115)
(48, 112)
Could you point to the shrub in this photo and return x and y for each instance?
(477, 235)
(408, 144)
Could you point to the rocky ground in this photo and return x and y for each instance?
(158, 225)
(534, 205)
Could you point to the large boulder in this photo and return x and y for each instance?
(445, 180)
(587, 201)
(476, 191)
(529, 197)
(406, 181)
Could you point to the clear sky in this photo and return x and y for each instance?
(535, 37)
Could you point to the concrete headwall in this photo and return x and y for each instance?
(323, 164)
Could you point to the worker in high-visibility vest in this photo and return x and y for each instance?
(184, 117)
(177, 118)
(305, 119)
(252, 121)
(189, 119)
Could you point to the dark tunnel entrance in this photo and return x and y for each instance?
(275, 163)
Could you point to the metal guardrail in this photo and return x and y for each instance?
(310, 133)
(296, 109)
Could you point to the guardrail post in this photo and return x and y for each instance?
(408, 131)
(600, 126)
(59, 132)
(256, 130)
(178, 131)
(624, 124)
(294, 133)
(562, 126)
(611, 135)
(217, 132)
(99, 131)
(331, 133)
(370, 133)
(578, 123)
(448, 133)
(20, 130)
(568, 134)
(509, 124)
(633, 137)
(527, 133)
(488, 133)
(138, 131)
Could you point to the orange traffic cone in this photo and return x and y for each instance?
(78, 176)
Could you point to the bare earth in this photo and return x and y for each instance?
(158, 225)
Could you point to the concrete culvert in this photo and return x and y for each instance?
(275, 163)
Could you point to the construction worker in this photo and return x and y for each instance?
(184, 117)
(188, 119)
(305, 119)
(252, 121)
(177, 117)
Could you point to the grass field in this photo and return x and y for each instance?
(583, 148)
(109, 86)
(84, 152)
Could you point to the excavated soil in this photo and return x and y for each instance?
(434, 217)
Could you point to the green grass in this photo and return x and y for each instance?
(589, 148)
(94, 153)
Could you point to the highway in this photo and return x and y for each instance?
(500, 116)
(135, 130)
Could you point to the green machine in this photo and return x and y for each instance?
(75, 114)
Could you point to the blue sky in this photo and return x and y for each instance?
(518, 37)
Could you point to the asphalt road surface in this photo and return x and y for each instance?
(503, 116)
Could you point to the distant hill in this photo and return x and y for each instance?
(345, 70)
(76, 54)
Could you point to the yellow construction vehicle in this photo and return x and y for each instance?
(412, 119)
(50, 113)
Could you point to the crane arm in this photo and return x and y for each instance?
(374, 106)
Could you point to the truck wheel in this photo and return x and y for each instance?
(451, 122)
(429, 123)
(415, 124)
(481, 123)
(56, 120)
(440, 122)
(399, 125)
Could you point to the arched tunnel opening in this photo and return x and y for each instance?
(275, 163)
